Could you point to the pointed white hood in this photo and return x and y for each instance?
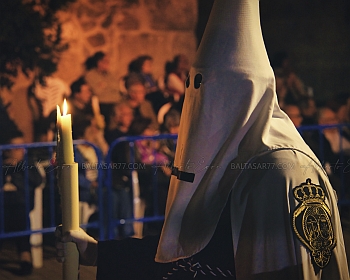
(230, 113)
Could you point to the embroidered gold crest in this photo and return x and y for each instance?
(312, 223)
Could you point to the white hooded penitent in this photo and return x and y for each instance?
(230, 96)
(230, 114)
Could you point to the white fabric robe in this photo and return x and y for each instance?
(231, 115)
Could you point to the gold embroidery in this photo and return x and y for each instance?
(312, 222)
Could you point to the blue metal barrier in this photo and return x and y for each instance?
(106, 223)
(109, 184)
(131, 140)
(50, 179)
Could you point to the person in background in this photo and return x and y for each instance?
(81, 107)
(79, 103)
(14, 186)
(43, 99)
(170, 125)
(136, 99)
(339, 146)
(176, 72)
(122, 207)
(340, 104)
(281, 62)
(308, 110)
(143, 65)
(326, 116)
(281, 88)
(120, 121)
(102, 82)
(86, 158)
(314, 139)
(318, 143)
(156, 172)
(95, 135)
(171, 121)
(293, 112)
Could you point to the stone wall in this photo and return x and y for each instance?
(315, 34)
(125, 29)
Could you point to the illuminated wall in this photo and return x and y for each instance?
(125, 29)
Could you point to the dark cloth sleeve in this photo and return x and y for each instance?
(126, 259)
(133, 259)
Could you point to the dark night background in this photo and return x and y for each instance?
(314, 33)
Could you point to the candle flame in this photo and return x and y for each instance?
(65, 107)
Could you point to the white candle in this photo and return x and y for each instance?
(69, 189)
(68, 183)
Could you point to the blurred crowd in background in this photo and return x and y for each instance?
(104, 108)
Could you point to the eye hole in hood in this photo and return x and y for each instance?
(198, 80)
